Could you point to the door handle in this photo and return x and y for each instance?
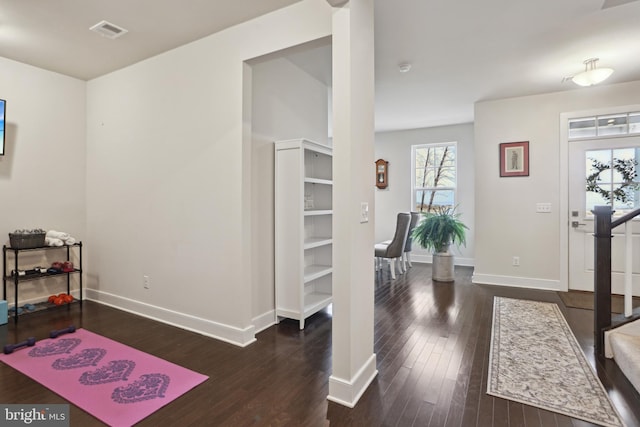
(576, 224)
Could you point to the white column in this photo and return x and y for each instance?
(354, 363)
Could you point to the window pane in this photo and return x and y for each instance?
(612, 125)
(424, 157)
(447, 178)
(598, 178)
(419, 178)
(418, 200)
(431, 178)
(629, 202)
(624, 153)
(600, 155)
(428, 180)
(438, 152)
(450, 159)
(582, 128)
(624, 165)
(443, 152)
(434, 198)
(595, 199)
(634, 123)
(598, 166)
(442, 178)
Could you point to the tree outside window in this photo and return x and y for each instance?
(434, 176)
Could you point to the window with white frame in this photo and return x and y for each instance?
(434, 176)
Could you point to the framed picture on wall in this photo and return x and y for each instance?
(514, 159)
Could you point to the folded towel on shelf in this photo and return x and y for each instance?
(70, 241)
(58, 235)
(51, 241)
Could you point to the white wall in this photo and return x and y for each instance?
(169, 176)
(395, 147)
(42, 174)
(506, 222)
(288, 103)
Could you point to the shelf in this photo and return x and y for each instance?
(41, 306)
(313, 272)
(14, 280)
(318, 212)
(39, 248)
(303, 191)
(29, 277)
(315, 301)
(318, 181)
(315, 242)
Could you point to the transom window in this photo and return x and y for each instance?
(608, 125)
(434, 176)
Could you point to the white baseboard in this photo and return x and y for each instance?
(347, 393)
(222, 332)
(428, 259)
(516, 282)
(264, 321)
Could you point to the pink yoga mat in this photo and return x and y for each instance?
(115, 383)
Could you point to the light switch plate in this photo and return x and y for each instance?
(543, 207)
(364, 212)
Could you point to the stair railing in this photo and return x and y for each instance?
(603, 226)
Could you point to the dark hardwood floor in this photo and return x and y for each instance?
(432, 346)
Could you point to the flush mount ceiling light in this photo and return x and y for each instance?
(591, 74)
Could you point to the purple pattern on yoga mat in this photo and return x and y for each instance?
(96, 399)
(116, 370)
(61, 346)
(148, 386)
(87, 357)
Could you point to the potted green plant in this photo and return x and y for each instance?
(437, 230)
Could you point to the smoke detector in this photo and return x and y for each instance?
(108, 30)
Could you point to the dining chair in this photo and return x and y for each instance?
(406, 256)
(394, 249)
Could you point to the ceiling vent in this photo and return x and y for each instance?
(108, 30)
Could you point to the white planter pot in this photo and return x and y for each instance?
(442, 267)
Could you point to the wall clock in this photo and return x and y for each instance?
(382, 173)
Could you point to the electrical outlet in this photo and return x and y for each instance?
(147, 282)
(516, 261)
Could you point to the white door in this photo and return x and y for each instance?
(601, 166)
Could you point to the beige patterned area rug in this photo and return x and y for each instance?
(535, 359)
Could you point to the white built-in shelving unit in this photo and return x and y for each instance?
(303, 230)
